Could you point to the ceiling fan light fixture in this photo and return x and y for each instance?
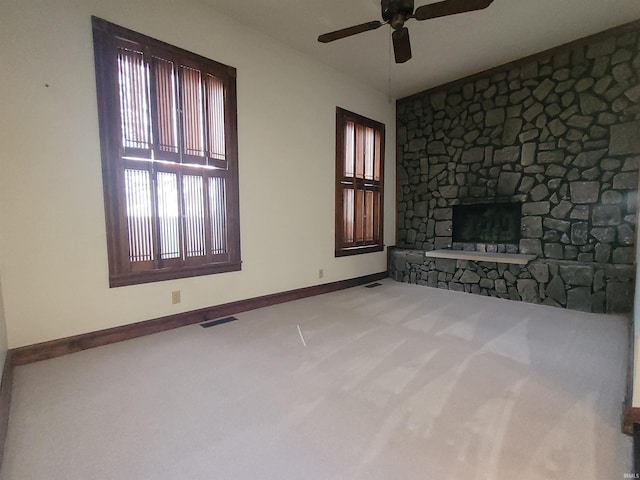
(397, 22)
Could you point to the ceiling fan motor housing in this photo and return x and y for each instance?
(396, 11)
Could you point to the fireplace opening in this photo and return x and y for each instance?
(487, 223)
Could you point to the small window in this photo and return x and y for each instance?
(359, 184)
(169, 155)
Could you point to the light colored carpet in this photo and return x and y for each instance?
(397, 382)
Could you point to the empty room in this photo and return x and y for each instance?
(319, 239)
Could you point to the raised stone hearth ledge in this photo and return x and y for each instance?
(584, 286)
(510, 258)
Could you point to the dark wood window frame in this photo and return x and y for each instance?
(188, 149)
(359, 191)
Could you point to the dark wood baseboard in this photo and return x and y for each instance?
(5, 401)
(76, 343)
(630, 416)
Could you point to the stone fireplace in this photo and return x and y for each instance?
(548, 146)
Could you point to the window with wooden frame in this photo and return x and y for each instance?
(168, 134)
(359, 184)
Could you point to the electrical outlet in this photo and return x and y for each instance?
(175, 297)
(321, 273)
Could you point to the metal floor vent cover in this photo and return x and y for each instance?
(372, 285)
(219, 321)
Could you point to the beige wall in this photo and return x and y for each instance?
(3, 330)
(54, 260)
(3, 230)
(3, 326)
(4, 122)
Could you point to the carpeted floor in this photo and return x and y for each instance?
(396, 382)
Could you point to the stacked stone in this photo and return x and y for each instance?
(594, 288)
(559, 134)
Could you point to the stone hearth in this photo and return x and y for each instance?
(592, 287)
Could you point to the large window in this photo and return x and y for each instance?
(169, 158)
(359, 184)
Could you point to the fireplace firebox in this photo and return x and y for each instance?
(487, 223)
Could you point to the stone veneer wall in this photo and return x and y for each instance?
(560, 133)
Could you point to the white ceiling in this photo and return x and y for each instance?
(444, 49)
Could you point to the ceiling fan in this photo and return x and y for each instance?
(397, 12)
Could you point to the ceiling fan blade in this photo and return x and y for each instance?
(449, 7)
(401, 45)
(347, 32)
